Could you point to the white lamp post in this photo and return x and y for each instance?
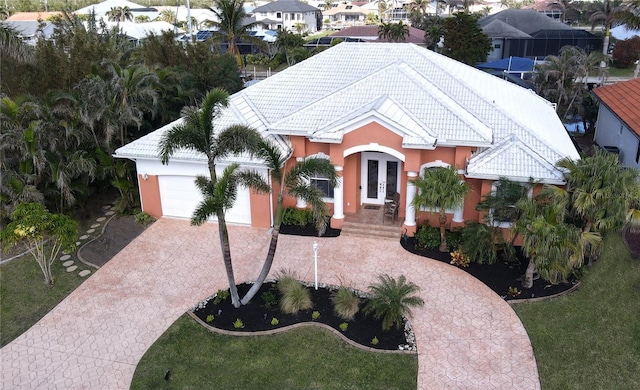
(315, 263)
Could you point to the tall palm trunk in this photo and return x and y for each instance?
(226, 255)
(443, 235)
(268, 262)
(266, 267)
(527, 282)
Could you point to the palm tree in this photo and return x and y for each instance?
(501, 203)
(231, 16)
(607, 16)
(119, 14)
(292, 181)
(556, 79)
(419, 6)
(197, 132)
(440, 189)
(600, 192)
(392, 300)
(393, 32)
(629, 15)
(11, 46)
(554, 248)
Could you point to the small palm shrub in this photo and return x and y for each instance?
(391, 300)
(454, 239)
(295, 296)
(479, 243)
(345, 303)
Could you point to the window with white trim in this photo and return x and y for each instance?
(322, 183)
(504, 217)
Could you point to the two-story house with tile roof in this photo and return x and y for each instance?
(289, 14)
(618, 125)
(382, 113)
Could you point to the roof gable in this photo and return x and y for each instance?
(623, 99)
(514, 159)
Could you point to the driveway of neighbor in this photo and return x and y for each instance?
(468, 338)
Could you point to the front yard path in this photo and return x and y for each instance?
(467, 337)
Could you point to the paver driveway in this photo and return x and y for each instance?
(468, 338)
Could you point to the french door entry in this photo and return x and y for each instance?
(380, 177)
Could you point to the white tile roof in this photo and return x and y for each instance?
(425, 97)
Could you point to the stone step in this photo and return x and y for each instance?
(368, 230)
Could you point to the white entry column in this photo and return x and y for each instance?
(300, 203)
(338, 196)
(410, 211)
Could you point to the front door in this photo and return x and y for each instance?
(380, 177)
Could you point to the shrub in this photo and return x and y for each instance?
(343, 326)
(257, 59)
(427, 237)
(513, 292)
(478, 242)
(295, 296)
(460, 259)
(375, 341)
(269, 299)
(345, 303)
(221, 295)
(209, 318)
(238, 323)
(315, 315)
(626, 52)
(274, 321)
(143, 218)
(454, 239)
(392, 300)
(299, 217)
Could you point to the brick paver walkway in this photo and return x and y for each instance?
(467, 337)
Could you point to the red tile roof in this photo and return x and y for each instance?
(415, 35)
(623, 99)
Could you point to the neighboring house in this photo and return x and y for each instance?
(100, 10)
(618, 125)
(551, 8)
(528, 33)
(137, 32)
(31, 31)
(289, 14)
(370, 34)
(344, 15)
(200, 16)
(33, 16)
(382, 113)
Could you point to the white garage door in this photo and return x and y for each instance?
(180, 197)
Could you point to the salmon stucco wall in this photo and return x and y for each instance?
(150, 195)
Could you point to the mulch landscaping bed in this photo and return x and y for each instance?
(255, 316)
(500, 275)
(118, 233)
(307, 230)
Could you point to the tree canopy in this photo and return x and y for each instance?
(464, 40)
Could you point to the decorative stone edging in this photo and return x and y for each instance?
(294, 326)
(547, 298)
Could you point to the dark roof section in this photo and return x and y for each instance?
(286, 6)
(525, 20)
(500, 29)
(623, 99)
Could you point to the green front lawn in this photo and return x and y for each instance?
(25, 298)
(303, 358)
(590, 339)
